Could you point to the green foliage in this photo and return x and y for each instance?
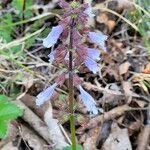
(6, 21)
(62, 97)
(3, 129)
(142, 19)
(5, 33)
(79, 147)
(8, 111)
(147, 84)
(144, 23)
(18, 5)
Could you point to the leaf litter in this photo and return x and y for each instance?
(121, 88)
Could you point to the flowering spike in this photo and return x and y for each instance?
(45, 95)
(53, 36)
(91, 65)
(93, 53)
(98, 39)
(88, 100)
(89, 12)
(71, 54)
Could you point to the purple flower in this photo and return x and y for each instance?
(88, 101)
(98, 38)
(45, 95)
(53, 36)
(67, 57)
(93, 53)
(89, 12)
(91, 65)
(51, 56)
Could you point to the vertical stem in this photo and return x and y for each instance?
(71, 91)
(23, 17)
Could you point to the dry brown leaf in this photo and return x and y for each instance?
(117, 140)
(9, 146)
(134, 127)
(127, 90)
(143, 138)
(54, 130)
(90, 142)
(147, 69)
(34, 121)
(35, 142)
(138, 79)
(141, 103)
(116, 112)
(124, 68)
(103, 18)
(111, 99)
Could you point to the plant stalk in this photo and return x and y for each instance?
(23, 16)
(71, 91)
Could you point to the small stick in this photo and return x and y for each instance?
(145, 134)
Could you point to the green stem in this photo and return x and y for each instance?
(23, 17)
(71, 91)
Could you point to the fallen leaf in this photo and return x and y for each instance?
(147, 69)
(124, 68)
(127, 90)
(90, 142)
(117, 140)
(103, 19)
(134, 127)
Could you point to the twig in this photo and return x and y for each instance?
(145, 134)
(116, 112)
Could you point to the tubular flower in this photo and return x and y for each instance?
(88, 101)
(89, 12)
(91, 65)
(52, 56)
(93, 53)
(53, 36)
(45, 95)
(98, 38)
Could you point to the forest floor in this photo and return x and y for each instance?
(121, 88)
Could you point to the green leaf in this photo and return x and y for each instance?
(5, 33)
(146, 83)
(9, 111)
(79, 147)
(30, 42)
(16, 49)
(18, 4)
(3, 99)
(3, 129)
(62, 97)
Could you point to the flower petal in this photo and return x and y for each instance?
(91, 65)
(89, 12)
(93, 53)
(51, 56)
(88, 100)
(98, 39)
(67, 56)
(45, 95)
(53, 36)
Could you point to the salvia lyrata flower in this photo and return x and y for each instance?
(76, 15)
